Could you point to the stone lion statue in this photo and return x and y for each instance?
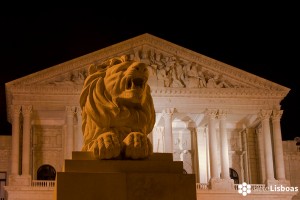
(117, 110)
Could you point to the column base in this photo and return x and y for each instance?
(19, 180)
(221, 184)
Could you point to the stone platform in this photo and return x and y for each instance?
(157, 178)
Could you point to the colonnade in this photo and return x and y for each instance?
(217, 121)
(274, 116)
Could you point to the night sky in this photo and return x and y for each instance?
(261, 42)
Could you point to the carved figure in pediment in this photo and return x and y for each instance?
(194, 76)
(216, 82)
(177, 74)
(163, 76)
(144, 57)
(70, 79)
(117, 110)
(78, 77)
(155, 59)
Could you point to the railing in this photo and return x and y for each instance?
(201, 186)
(42, 183)
(254, 187)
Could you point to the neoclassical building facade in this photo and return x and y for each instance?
(222, 122)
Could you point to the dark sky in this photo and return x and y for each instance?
(262, 41)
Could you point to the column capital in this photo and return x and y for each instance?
(77, 110)
(259, 131)
(16, 109)
(265, 114)
(222, 114)
(211, 113)
(159, 129)
(168, 112)
(26, 110)
(200, 129)
(70, 110)
(276, 115)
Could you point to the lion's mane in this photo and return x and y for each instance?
(105, 109)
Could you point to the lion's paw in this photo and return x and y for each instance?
(137, 146)
(106, 146)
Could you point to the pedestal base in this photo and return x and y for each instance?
(221, 184)
(155, 178)
(19, 180)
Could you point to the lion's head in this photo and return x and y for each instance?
(126, 82)
(116, 97)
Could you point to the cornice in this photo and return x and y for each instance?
(159, 91)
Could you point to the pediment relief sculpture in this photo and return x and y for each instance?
(172, 71)
(164, 71)
(74, 78)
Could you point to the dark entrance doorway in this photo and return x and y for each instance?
(46, 172)
(234, 175)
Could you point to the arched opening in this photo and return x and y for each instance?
(234, 175)
(46, 172)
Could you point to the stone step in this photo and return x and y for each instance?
(87, 155)
(108, 166)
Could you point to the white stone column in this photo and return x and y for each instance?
(69, 135)
(265, 120)
(195, 153)
(245, 155)
(278, 151)
(260, 140)
(168, 136)
(15, 148)
(26, 111)
(158, 139)
(213, 150)
(78, 136)
(224, 145)
(202, 155)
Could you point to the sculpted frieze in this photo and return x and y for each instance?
(165, 70)
(73, 78)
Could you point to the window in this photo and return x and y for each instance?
(234, 175)
(46, 172)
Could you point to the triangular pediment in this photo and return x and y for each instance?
(172, 68)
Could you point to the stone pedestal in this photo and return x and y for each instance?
(19, 180)
(158, 177)
(221, 184)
